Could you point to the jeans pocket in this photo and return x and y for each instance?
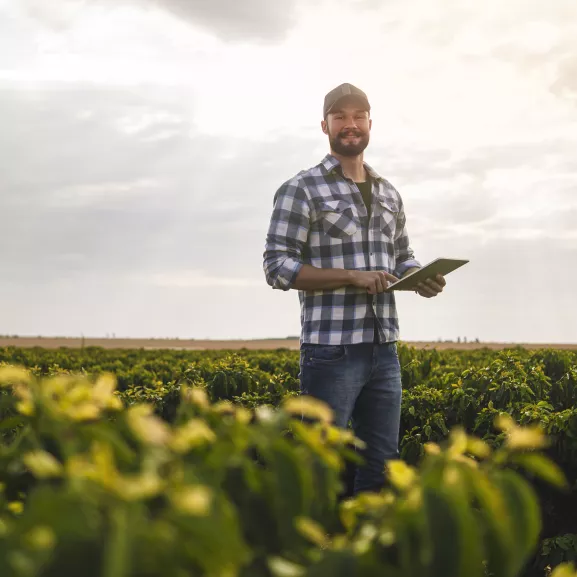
(325, 354)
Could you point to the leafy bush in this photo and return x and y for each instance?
(116, 491)
(442, 390)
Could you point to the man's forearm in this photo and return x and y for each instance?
(313, 278)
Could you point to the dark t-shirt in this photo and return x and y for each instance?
(366, 190)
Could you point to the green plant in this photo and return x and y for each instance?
(115, 491)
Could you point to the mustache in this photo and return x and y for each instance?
(346, 133)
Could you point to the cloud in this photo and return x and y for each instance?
(260, 20)
(138, 201)
(535, 41)
(565, 85)
(488, 194)
(74, 181)
(108, 193)
(551, 159)
(55, 138)
(90, 191)
(232, 21)
(196, 279)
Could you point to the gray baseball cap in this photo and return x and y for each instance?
(342, 91)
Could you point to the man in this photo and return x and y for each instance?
(338, 236)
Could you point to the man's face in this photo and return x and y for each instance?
(348, 128)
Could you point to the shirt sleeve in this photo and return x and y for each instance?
(404, 256)
(287, 236)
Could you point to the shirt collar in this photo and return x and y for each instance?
(331, 163)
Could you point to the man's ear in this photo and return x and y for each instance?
(370, 123)
(324, 126)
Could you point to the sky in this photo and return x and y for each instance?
(142, 142)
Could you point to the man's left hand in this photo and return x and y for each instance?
(431, 287)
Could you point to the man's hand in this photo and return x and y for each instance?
(431, 287)
(373, 281)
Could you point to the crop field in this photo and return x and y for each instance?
(168, 461)
(291, 343)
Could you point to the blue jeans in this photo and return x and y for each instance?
(362, 384)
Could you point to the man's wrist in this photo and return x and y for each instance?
(410, 270)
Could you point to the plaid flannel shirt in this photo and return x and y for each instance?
(319, 218)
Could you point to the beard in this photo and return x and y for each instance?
(342, 146)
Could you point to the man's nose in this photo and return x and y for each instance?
(351, 124)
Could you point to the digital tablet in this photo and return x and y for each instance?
(439, 266)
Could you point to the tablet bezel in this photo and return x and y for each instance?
(441, 266)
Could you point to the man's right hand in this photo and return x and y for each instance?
(373, 281)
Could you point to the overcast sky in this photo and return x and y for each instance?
(142, 141)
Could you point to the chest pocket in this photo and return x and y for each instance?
(389, 211)
(337, 219)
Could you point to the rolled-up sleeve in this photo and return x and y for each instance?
(287, 236)
(404, 256)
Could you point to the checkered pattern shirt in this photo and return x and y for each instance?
(319, 218)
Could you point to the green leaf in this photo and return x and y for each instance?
(410, 532)
(445, 536)
(10, 423)
(112, 437)
(541, 466)
(525, 515)
(472, 555)
(290, 490)
(280, 567)
(344, 564)
(117, 551)
(498, 539)
(70, 515)
(565, 570)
